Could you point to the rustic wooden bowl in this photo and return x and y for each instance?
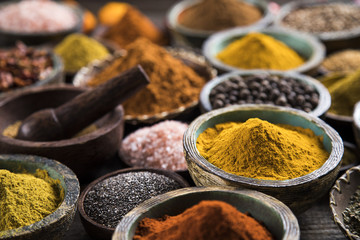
(82, 154)
(340, 194)
(99, 231)
(356, 123)
(57, 223)
(194, 60)
(54, 77)
(319, 111)
(185, 36)
(298, 193)
(305, 45)
(277, 217)
(9, 37)
(333, 41)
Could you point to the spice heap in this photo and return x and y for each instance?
(78, 50)
(12, 130)
(132, 26)
(262, 150)
(36, 16)
(268, 89)
(27, 198)
(344, 91)
(172, 83)
(22, 66)
(207, 220)
(158, 146)
(109, 200)
(351, 213)
(112, 12)
(259, 51)
(343, 61)
(215, 15)
(324, 18)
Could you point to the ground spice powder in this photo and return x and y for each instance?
(172, 83)
(215, 15)
(262, 150)
(207, 220)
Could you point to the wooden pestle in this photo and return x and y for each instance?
(74, 115)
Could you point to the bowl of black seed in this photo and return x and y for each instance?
(345, 203)
(287, 89)
(335, 22)
(105, 201)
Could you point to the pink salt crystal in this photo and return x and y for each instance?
(158, 146)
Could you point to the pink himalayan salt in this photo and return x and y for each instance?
(158, 146)
(36, 16)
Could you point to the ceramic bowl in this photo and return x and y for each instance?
(99, 231)
(298, 193)
(277, 217)
(324, 95)
(194, 60)
(9, 38)
(185, 36)
(340, 194)
(54, 77)
(356, 123)
(333, 40)
(305, 45)
(82, 154)
(57, 223)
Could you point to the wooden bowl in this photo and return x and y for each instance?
(194, 60)
(319, 111)
(82, 154)
(298, 193)
(185, 36)
(9, 37)
(305, 45)
(356, 123)
(99, 231)
(340, 194)
(277, 217)
(57, 223)
(333, 41)
(54, 77)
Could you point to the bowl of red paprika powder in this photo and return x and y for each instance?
(199, 204)
(265, 155)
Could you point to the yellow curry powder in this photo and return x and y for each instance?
(260, 51)
(262, 150)
(27, 198)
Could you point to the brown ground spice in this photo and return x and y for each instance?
(172, 83)
(215, 15)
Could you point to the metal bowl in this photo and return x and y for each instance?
(57, 223)
(297, 193)
(194, 38)
(277, 217)
(306, 46)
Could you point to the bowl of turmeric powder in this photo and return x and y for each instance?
(190, 23)
(209, 213)
(284, 152)
(38, 197)
(270, 49)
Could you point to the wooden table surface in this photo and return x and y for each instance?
(316, 223)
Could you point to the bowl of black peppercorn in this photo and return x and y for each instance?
(287, 89)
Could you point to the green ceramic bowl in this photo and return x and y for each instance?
(57, 223)
(298, 193)
(185, 36)
(277, 217)
(319, 110)
(305, 45)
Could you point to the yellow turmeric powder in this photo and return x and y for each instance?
(260, 51)
(262, 150)
(27, 198)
